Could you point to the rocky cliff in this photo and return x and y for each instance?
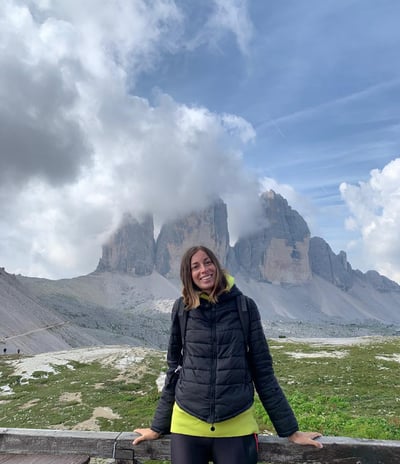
(208, 227)
(331, 267)
(278, 251)
(338, 271)
(131, 248)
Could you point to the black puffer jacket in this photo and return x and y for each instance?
(217, 376)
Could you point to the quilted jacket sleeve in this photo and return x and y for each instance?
(265, 382)
(162, 418)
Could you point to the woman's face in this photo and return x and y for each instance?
(203, 271)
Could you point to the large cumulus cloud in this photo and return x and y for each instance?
(375, 215)
(79, 147)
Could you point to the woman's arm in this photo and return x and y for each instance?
(267, 385)
(265, 382)
(162, 417)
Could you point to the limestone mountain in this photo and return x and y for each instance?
(208, 227)
(301, 286)
(278, 260)
(131, 248)
(277, 251)
(331, 267)
(338, 271)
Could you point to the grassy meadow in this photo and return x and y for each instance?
(343, 390)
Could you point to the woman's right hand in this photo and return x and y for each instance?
(145, 434)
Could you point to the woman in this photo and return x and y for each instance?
(207, 403)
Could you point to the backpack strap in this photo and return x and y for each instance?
(179, 310)
(244, 316)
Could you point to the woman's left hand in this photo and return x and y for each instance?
(306, 438)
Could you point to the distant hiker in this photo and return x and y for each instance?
(18, 351)
(4, 350)
(213, 366)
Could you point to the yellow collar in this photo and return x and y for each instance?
(230, 283)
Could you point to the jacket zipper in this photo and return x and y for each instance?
(213, 365)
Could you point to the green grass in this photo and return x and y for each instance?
(357, 395)
(37, 404)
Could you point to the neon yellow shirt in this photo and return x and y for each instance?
(240, 425)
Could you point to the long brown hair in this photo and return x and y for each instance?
(191, 293)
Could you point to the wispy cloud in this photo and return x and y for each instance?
(227, 16)
(315, 111)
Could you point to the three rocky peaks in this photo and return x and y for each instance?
(280, 250)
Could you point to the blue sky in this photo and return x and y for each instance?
(159, 105)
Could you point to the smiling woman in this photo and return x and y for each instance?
(207, 402)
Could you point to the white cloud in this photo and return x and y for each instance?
(227, 16)
(234, 124)
(79, 149)
(233, 16)
(375, 213)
